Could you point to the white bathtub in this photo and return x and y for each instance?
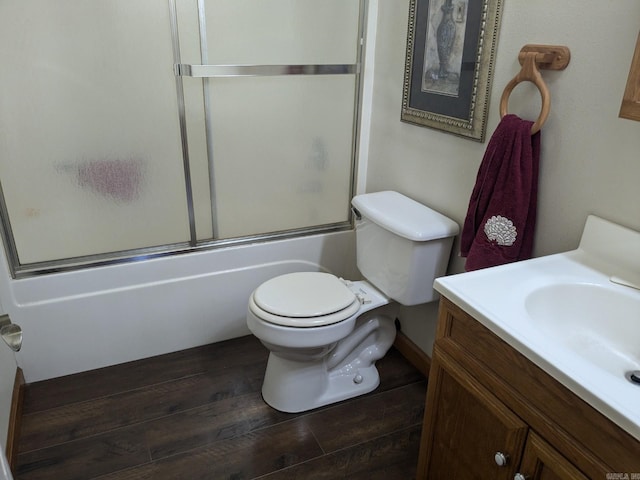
(87, 319)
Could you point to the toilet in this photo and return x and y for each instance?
(325, 333)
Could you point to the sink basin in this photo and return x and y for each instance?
(600, 324)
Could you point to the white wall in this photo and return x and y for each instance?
(589, 159)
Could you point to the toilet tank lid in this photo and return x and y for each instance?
(404, 217)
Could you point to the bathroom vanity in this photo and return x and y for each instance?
(493, 414)
(511, 397)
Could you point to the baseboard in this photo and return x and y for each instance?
(414, 354)
(15, 419)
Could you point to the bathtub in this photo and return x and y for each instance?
(92, 318)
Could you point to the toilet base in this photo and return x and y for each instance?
(348, 370)
(293, 387)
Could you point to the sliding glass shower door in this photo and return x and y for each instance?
(280, 85)
(134, 127)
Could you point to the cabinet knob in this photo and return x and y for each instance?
(519, 476)
(501, 459)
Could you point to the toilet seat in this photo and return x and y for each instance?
(304, 299)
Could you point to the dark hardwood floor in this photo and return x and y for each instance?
(198, 414)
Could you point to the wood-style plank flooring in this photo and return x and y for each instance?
(198, 414)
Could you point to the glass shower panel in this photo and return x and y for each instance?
(281, 32)
(91, 150)
(281, 144)
(283, 152)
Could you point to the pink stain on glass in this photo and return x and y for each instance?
(118, 179)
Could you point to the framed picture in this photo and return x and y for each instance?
(448, 69)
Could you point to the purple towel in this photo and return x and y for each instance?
(501, 219)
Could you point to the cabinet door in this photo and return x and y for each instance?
(465, 427)
(541, 461)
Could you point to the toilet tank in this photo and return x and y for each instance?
(402, 246)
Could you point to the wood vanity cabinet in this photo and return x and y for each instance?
(492, 414)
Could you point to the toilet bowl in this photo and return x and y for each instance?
(325, 333)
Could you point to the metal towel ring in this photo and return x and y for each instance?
(529, 73)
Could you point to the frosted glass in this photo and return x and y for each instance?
(90, 149)
(91, 157)
(282, 152)
(282, 32)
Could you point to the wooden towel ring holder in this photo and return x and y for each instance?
(532, 57)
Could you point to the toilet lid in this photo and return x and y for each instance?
(303, 295)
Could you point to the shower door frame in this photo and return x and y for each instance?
(18, 270)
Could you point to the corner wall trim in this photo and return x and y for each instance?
(15, 419)
(414, 354)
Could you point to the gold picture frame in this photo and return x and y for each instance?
(451, 47)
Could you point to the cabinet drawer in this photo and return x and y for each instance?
(583, 435)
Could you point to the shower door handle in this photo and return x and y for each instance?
(211, 71)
